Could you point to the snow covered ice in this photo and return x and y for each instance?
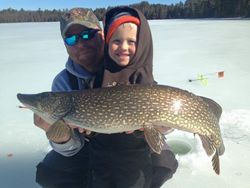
(33, 53)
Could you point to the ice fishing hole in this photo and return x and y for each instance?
(179, 147)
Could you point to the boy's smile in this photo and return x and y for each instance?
(122, 45)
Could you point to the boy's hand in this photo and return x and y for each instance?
(81, 130)
(130, 132)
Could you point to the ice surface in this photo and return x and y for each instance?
(31, 54)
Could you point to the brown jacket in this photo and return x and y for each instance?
(139, 71)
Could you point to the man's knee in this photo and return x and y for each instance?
(52, 178)
(160, 176)
(164, 167)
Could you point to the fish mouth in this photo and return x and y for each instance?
(31, 101)
(28, 100)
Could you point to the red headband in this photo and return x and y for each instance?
(116, 23)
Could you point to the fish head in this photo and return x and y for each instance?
(51, 106)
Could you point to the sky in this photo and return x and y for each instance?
(63, 4)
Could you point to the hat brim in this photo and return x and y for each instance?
(86, 24)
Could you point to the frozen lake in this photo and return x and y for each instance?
(33, 53)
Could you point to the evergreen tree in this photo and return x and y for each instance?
(189, 9)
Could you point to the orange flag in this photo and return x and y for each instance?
(220, 74)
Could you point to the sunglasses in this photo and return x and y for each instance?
(85, 35)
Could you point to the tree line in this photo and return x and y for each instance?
(189, 9)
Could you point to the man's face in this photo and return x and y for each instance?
(87, 53)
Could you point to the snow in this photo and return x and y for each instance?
(33, 53)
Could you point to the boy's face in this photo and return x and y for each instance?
(122, 45)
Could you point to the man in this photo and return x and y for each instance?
(67, 164)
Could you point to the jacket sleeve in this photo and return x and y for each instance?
(75, 144)
(70, 148)
(61, 82)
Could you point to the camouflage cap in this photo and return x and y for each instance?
(82, 16)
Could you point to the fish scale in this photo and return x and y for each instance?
(125, 108)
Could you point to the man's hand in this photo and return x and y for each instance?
(39, 122)
(58, 133)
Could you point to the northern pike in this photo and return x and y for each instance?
(126, 108)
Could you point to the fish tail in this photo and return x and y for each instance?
(207, 145)
(216, 162)
(221, 149)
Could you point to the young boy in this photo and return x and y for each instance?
(125, 160)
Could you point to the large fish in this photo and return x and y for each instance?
(125, 108)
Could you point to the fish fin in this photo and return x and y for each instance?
(216, 163)
(215, 107)
(154, 138)
(206, 143)
(163, 127)
(221, 149)
(209, 148)
(58, 130)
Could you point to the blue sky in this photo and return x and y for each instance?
(62, 4)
